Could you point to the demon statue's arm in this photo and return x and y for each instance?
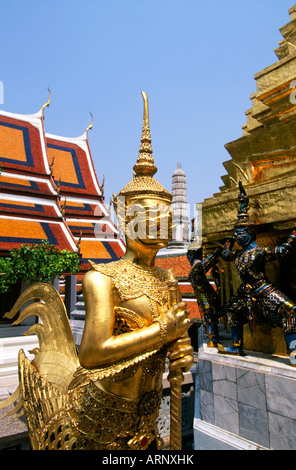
(281, 251)
(227, 253)
(205, 293)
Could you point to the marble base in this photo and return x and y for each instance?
(244, 402)
(77, 327)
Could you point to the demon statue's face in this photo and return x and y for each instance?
(244, 236)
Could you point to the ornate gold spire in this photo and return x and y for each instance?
(143, 184)
(145, 163)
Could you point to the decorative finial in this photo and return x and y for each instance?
(59, 186)
(91, 124)
(243, 216)
(110, 206)
(51, 165)
(243, 199)
(145, 163)
(46, 104)
(102, 186)
(63, 207)
(79, 242)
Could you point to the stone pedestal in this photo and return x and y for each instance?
(244, 402)
(77, 319)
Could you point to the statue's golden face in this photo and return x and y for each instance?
(149, 221)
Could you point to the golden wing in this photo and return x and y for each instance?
(47, 410)
(43, 383)
(56, 358)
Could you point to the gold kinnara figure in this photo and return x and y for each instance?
(108, 395)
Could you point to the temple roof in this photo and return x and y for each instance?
(50, 191)
(29, 205)
(15, 231)
(72, 165)
(82, 199)
(22, 144)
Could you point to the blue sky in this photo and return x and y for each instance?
(196, 60)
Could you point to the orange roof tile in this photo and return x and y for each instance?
(178, 263)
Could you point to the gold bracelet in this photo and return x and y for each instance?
(162, 329)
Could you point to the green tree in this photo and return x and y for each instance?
(37, 262)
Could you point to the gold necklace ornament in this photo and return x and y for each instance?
(132, 281)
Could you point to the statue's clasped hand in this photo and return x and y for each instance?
(179, 347)
(181, 354)
(286, 248)
(177, 321)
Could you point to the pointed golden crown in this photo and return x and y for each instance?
(143, 184)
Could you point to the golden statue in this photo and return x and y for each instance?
(107, 396)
